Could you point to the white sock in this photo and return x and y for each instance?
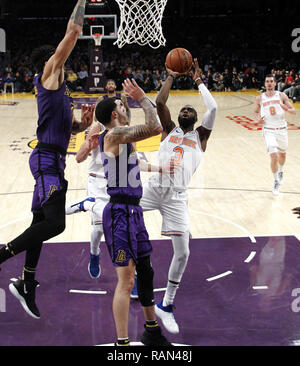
(275, 175)
(178, 265)
(96, 235)
(170, 293)
(280, 168)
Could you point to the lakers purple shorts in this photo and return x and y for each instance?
(125, 233)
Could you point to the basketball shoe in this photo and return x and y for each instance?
(134, 292)
(24, 291)
(154, 337)
(78, 206)
(165, 313)
(94, 266)
(275, 189)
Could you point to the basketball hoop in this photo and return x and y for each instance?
(141, 22)
(97, 38)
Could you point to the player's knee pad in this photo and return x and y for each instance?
(145, 275)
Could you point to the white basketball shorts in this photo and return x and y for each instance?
(172, 206)
(275, 140)
(96, 187)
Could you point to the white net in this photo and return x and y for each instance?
(141, 22)
(97, 38)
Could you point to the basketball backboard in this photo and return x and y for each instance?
(105, 24)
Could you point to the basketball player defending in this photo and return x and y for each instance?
(97, 197)
(111, 88)
(123, 224)
(47, 161)
(167, 192)
(269, 111)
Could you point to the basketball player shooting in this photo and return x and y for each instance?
(167, 193)
(269, 111)
(47, 161)
(125, 234)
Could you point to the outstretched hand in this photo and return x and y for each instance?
(133, 90)
(197, 72)
(93, 140)
(86, 116)
(171, 72)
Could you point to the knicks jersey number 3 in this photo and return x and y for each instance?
(184, 150)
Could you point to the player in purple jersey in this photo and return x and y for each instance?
(123, 224)
(47, 161)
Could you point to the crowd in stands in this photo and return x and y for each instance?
(227, 63)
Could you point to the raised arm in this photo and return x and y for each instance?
(65, 47)
(128, 112)
(209, 117)
(152, 126)
(87, 112)
(161, 100)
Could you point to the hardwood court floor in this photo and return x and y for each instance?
(242, 274)
(229, 195)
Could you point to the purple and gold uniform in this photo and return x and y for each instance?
(123, 223)
(48, 160)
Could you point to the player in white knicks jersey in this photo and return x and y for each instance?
(270, 110)
(96, 198)
(182, 147)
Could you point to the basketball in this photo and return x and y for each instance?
(179, 60)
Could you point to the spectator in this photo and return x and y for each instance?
(184, 82)
(227, 77)
(120, 77)
(210, 80)
(139, 78)
(28, 83)
(293, 90)
(19, 83)
(148, 81)
(157, 80)
(82, 77)
(218, 84)
(237, 83)
(9, 81)
(72, 80)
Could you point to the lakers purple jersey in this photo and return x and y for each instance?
(122, 172)
(55, 114)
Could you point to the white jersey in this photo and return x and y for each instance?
(270, 109)
(183, 149)
(95, 164)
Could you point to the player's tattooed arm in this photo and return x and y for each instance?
(77, 17)
(124, 135)
(151, 119)
(64, 49)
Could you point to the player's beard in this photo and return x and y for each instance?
(186, 122)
